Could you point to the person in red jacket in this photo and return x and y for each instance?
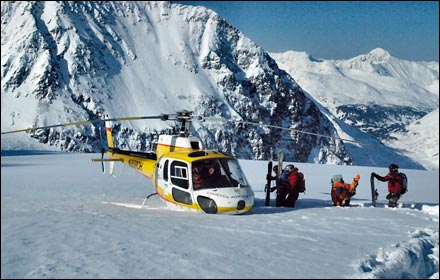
(287, 193)
(394, 184)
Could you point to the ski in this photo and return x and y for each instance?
(279, 170)
(268, 183)
(374, 193)
(280, 163)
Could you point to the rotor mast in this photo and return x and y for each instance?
(184, 117)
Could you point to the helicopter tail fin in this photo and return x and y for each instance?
(108, 130)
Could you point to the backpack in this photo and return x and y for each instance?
(337, 178)
(301, 183)
(404, 183)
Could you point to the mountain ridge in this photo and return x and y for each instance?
(375, 92)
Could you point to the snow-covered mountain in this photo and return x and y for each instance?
(71, 61)
(382, 95)
(421, 140)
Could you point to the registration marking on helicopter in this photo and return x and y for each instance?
(227, 196)
(136, 164)
(240, 196)
(218, 194)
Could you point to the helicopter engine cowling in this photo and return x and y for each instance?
(175, 143)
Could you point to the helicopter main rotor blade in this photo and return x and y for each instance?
(163, 117)
(283, 128)
(51, 126)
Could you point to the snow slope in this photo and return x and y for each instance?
(62, 218)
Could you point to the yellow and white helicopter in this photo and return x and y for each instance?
(182, 172)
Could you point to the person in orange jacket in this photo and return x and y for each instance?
(342, 192)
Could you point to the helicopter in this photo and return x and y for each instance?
(182, 172)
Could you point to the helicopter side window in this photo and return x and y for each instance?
(179, 174)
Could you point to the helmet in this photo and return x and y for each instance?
(393, 167)
(289, 168)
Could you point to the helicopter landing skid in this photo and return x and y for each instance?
(147, 197)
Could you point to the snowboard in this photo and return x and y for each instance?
(374, 193)
(268, 183)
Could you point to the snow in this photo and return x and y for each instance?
(62, 218)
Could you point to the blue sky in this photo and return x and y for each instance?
(337, 29)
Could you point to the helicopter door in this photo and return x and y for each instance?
(176, 180)
(162, 177)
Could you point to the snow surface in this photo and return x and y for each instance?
(62, 218)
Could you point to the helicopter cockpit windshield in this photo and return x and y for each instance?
(217, 173)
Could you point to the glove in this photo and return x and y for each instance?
(373, 174)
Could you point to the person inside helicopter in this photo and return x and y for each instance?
(197, 177)
(211, 174)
